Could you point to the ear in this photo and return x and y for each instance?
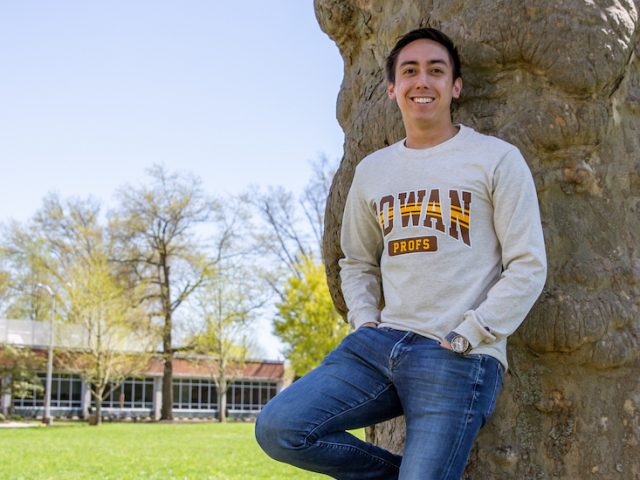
(391, 92)
(457, 87)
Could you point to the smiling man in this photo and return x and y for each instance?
(443, 258)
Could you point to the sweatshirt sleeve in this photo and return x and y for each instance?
(361, 242)
(518, 228)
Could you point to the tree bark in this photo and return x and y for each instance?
(561, 81)
(99, 394)
(222, 406)
(166, 412)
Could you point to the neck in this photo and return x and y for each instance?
(430, 137)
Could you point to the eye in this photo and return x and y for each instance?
(409, 71)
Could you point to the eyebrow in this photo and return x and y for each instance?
(430, 62)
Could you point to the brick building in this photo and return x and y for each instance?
(194, 392)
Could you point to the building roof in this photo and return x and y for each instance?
(196, 366)
(35, 335)
(204, 367)
(32, 333)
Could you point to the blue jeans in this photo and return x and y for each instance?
(375, 375)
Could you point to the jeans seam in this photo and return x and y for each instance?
(392, 353)
(344, 445)
(496, 388)
(306, 438)
(463, 430)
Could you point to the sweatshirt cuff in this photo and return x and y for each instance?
(360, 317)
(474, 330)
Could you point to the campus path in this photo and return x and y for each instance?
(18, 425)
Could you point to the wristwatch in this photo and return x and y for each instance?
(459, 344)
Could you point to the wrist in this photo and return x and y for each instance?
(369, 325)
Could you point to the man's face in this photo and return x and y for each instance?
(424, 85)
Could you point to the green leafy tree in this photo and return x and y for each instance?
(66, 247)
(226, 308)
(5, 280)
(18, 371)
(290, 235)
(25, 263)
(118, 338)
(307, 321)
(41, 251)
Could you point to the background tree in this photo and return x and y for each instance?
(65, 246)
(567, 93)
(117, 340)
(156, 234)
(307, 321)
(23, 257)
(5, 279)
(18, 371)
(227, 305)
(43, 249)
(291, 231)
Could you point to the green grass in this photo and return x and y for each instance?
(140, 451)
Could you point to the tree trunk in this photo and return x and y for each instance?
(166, 412)
(222, 385)
(98, 411)
(222, 406)
(560, 80)
(97, 420)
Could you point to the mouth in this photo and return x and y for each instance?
(422, 100)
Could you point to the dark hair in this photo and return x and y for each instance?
(418, 34)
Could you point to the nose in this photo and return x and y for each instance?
(422, 79)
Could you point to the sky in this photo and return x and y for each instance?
(93, 93)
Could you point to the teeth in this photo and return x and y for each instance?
(422, 100)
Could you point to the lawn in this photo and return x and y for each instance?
(139, 451)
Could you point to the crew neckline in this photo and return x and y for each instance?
(463, 131)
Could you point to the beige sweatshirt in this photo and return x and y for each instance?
(452, 236)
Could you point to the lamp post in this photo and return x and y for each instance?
(46, 418)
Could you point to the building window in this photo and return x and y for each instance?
(66, 392)
(132, 393)
(194, 394)
(242, 396)
(137, 393)
(250, 396)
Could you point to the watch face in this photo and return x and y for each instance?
(459, 344)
